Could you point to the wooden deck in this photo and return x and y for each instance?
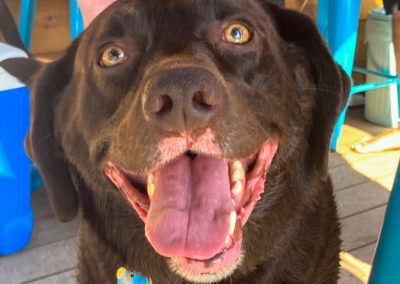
(362, 184)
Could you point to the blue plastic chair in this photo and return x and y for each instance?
(27, 17)
(338, 22)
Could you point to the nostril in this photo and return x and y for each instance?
(200, 101)
(164, 105)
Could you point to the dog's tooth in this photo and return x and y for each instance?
(228, 239)
(236, 171)
(237, 188)
(238, 174)
(150, 185)
(232, 222)
(236, 164)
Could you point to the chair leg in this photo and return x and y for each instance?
(26, 19)
(76, 22)
(386, 263)
(322, 18)
(338, 22)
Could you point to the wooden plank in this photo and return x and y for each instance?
(360, 198)
(337, 159)
(362, 229)
(378, 166)
(356, 119)
(37, 263)
(346, 277)
(51, 29)
(364, 255)
(361, 171)
(351, 157)
(345, 176)
(66, 277)
(50, 230)
(40, 204)
(387, 182)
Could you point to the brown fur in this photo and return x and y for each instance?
(283, 84)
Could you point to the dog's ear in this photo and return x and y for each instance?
(24, 69)
(331, 85)
(46, 81)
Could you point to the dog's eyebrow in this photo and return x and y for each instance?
(224, 9)
(114, 27)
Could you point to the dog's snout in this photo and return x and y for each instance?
(181, 99)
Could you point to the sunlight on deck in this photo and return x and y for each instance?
(357, 267)
(379, 169)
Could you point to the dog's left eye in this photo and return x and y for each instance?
(237, 33)
(111, 56)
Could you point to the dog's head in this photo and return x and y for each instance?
(184, 106)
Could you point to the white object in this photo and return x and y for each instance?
(381, 105)
(8, 82)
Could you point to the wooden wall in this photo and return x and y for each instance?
(51, 28)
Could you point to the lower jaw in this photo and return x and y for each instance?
(208, 271)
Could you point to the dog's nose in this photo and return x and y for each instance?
(182, 99)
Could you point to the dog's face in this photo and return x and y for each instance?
(188, 108)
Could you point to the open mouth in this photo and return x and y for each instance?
(194, 207)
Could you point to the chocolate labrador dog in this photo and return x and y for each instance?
(193, 137)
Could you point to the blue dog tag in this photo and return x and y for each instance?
(126, 277)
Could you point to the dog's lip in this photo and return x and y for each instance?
(255, 166)
(216, 268)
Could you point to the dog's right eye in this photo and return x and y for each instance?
(111, 55)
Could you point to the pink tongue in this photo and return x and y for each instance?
(190, 208)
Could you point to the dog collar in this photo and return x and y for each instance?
(126, 277)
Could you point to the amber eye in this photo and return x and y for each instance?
(237, 33)
(111, 56)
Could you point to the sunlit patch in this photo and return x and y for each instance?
(355, 266)
(378, 167)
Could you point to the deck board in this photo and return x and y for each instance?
(360, 198)
(363, 254)
(66, 277)
(32, 264)
(49, 230)
(362, 229)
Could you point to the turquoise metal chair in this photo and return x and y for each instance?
(27, 17)
(386, 263)
(338, 22)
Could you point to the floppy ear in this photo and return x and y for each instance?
(23, 68)
(46, 82)
(331, 84)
